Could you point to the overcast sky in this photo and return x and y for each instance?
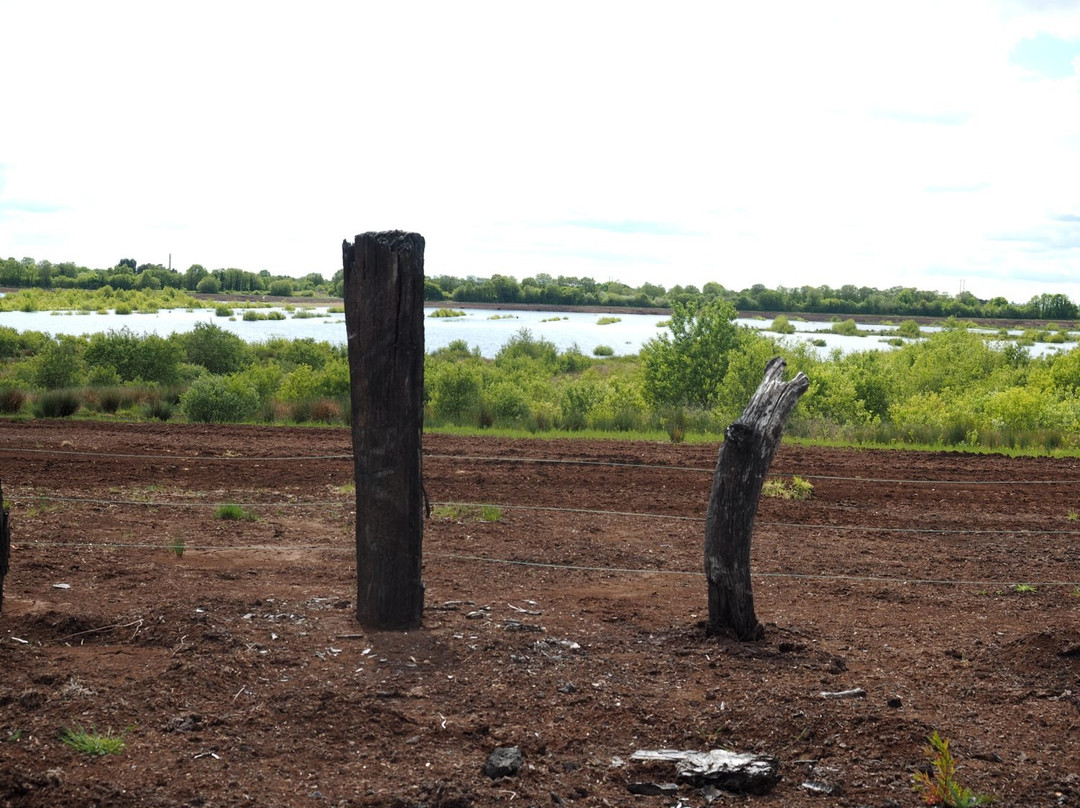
(928, 144)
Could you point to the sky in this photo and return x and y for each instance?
(926, 144)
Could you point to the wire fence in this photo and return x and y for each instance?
(202, 503)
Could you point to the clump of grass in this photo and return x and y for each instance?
(223, 311)
(797, 488)
(459, 512)
(1073, 515)
(94, 743)
(177, 546)
(603, 350)
(447, 313)
(11, 400)
(939, 786)
(608, 320)
(237, 513)
(1024, 589)
(57, 404)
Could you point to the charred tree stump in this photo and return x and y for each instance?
(5, 543)
(384, 317)
(745, 456)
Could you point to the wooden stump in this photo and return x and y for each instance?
(384, 317)
(747, 452)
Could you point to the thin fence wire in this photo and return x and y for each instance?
(558, 566)
(38, 498)
(957, 531)
(525, 459)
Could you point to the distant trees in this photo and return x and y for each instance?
(543, 288)
(27, 273)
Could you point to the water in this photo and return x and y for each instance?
(487, 329)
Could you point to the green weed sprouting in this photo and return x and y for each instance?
(798, 489)
(1024, 589)
(177, 546)
(458, 511)
(941, 788)
(234, 512)
(94, 743)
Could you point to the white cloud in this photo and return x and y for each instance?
(791, 143)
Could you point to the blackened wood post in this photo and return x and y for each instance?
(384, 317)
(5, 543)
(745, 456)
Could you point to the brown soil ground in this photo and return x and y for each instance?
(243, 678)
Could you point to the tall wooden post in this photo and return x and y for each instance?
(748, 450)
(384, 316)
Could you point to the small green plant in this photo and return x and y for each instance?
(459, 511)
(447, 313)
(223, 311)
(94, 743)
(608, 320)
(14, 736)
(177, 546)
(1073, 515)
(1023, 589)
(603, 350)
(236, 513)
(781, 325)
(797, 488)
(939, 787)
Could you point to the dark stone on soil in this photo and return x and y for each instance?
(653, 789)
(895, 702)
(505, 761)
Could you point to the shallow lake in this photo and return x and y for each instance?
(486, 329)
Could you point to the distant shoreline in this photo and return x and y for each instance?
(813, 317)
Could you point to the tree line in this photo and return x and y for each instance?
(127, 274)
(848, 299)
(549, 290)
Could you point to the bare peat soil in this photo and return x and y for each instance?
(571, 627)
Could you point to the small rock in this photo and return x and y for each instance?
(505, 761)
(895, 702)
(653, 789)
(815, 787)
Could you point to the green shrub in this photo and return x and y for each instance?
(781, 325)
(57, 404)
(507, 401)
(217, 350)
(603, 350)
(11, 400)
(158, 410)
(909, 329)
(222, 310)
(147, 358)
(214, 399)
(455, 392)
(847, 328)
(59, 364)
(236, 513)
